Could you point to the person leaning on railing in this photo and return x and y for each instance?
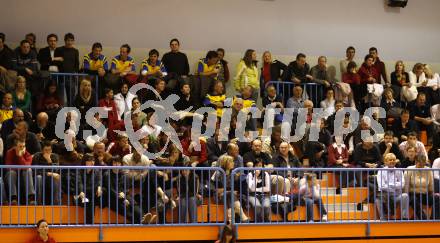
(420, 187)
(309, 190)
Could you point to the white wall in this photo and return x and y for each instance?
(286, 27)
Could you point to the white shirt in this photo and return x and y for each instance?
(390, 180)
(436, 165)
(123, 105)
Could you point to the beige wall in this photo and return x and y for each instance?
(286, 27)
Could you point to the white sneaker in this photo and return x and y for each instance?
(324, 218)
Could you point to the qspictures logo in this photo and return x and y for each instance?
(304, 121)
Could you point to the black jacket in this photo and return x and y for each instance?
(45, 59)
(277, 70)
(71, 59)
(6, 56)
(214, 152)
(294, 71)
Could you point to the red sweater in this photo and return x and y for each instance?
(334, 155)
(202, 154)
(113, 113)
(365, 72)
(13, 159)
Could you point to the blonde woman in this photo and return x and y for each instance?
(22, 96)
(226, 162)
(247, 73)
(85, 99)
(399, 79)
(432, 81)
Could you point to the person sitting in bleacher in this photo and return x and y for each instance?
(297, 99)
(95, 63)
(116, 196)
(85, 99)
(233, 196)
(283, 181)
(109, 105)
(123, 100)
(409, 158)
(338, 157)
(49, 101)
(273, 100)
(101, 157)
(13, 117)
(403, 125)
(216, 98)
(432, 80)
(207, 71)
(46, 55)
(19, 155)
(21, 131)
(26, 64)
(420, 187)
(89, 187)
(413, 142)
(298, 71)
(120, 147)
(215, 147)
(366, 155)
(187, 184)
(22, 96)
(400, 81)
(48, 180)
(7, 74)
(258, 182)
(310, 191)
(421, 114)
(343, 64)
(389, 146)
(43, 128)
(223, 74)
(198, 158)
(122, 69)
(152, 67)
(256, 155)
(390, 185)
(7, 108)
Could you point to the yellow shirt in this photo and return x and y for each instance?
(121, 66)
(5, 114)
(211, 99)
(246, 76)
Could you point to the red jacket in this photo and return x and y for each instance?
(365, 72)
(13, 159)
(113, 113)
(202, 154)
(115, 149)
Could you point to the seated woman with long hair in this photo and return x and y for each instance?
(21, 96)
